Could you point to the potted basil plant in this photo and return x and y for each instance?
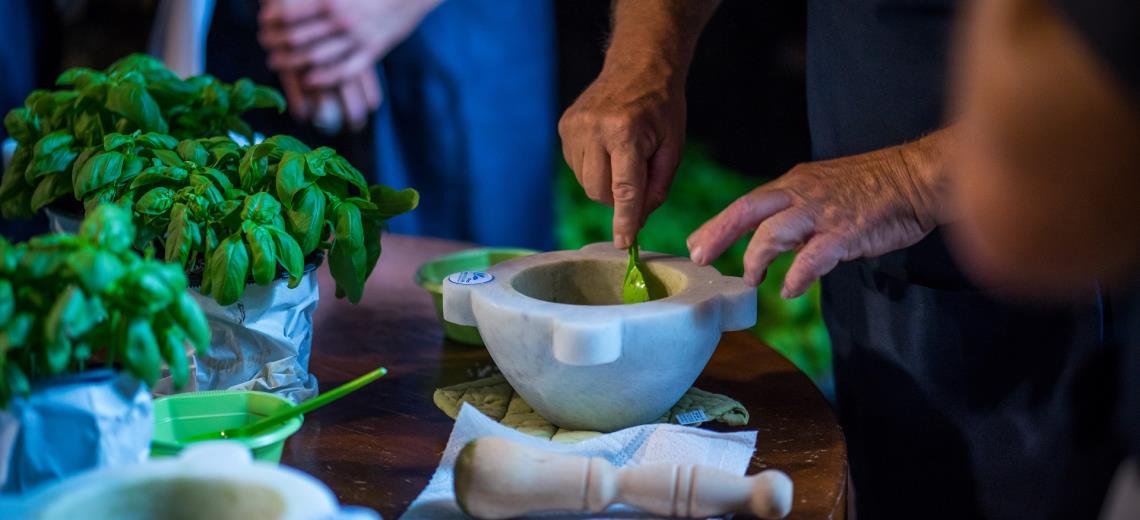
(54, 130)
(249, 225)
(85, 324)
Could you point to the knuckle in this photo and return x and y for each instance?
(625, 192)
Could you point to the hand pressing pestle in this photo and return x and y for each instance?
(496, 478)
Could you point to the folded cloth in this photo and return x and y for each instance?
(653, 443)
(496, 399)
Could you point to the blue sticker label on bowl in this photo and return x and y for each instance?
(470, 278)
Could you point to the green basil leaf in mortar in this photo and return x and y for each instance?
(99, 171)
(633, 287)
(142, 354)
(263, 254)
(229, 267)
(291, 177)
(133, 102)
(289, 255)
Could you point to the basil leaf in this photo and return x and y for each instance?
(99, 171)
(173, 351)
(132, 166)
(178, 236)
(340, 168)
(109, 226)
(192, 151)
(347, 268)
(133, 102)
(285, 143)
(7, 302)
(73, 75)
(142, 356)
(51, 188)
(372, 231)
(266, 97)
(157, 141)
(390, 202)
(241, 95)
(348, 225)
(112, 142)
(88, 128)
(188, 315)
(52, 154)
(289, 255)
(155, 202)
(306, 220)
(317, 159)
(252, 169)
(263, 254)
(20, 126)
(261, 208)
(229, 267)
(95, 269)
(291, 177)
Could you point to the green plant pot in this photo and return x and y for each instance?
(182, 416)
(431, 274)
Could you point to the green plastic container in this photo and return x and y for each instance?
(182, 416)
(430, 276)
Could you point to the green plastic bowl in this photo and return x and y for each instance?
(182, 416)
(430, 276)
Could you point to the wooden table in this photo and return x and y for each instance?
(379, 447)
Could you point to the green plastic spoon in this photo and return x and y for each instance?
(293, 411)
(634, 289)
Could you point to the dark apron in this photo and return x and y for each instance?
(954, 404)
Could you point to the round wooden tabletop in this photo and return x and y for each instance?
(379, 447)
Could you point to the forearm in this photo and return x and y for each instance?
(656, 37)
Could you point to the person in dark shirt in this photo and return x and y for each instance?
(954, 403)
(1047, 179)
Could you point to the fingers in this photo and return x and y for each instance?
(595, 176)
(276, 13)
(782, 232)
(370, 85)
(333, 74)
(712, 238)
(296, 36)
(628, 191)
(321, 53)
(354, 105)
(299, 103)
(821, 254)
(328, 117)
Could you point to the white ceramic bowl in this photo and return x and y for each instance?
(555, 326)
(210, 480)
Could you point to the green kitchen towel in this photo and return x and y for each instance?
(496, 399)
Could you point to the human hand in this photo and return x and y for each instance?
(329, 109)
(622, 138)
(334, 41)
(831, 211)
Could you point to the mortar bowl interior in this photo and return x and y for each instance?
(594, 281)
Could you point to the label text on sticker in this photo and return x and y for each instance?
(470, 278)
(688, 417)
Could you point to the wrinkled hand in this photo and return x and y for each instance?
(831, 211)
(331, 109)
(333, 41)
(623, 139)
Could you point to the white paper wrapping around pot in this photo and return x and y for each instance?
(262, 342)
(72, 424)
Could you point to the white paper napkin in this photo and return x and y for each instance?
(665, 443)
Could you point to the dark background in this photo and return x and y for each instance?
(746, 93)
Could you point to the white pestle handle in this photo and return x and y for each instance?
(496, 478)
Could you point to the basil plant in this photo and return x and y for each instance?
(229, 214)
(137, 93)
(67, 300)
